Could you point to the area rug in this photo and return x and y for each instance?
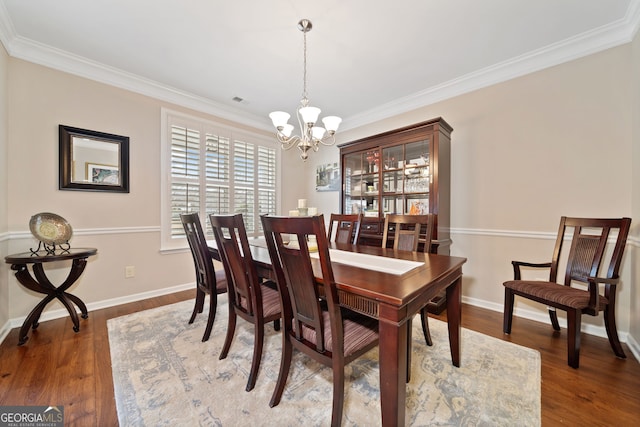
(164, 375)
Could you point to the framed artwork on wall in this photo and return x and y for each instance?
(328, 177)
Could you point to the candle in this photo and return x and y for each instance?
(302, 203)
(293, 213)
(312, 211)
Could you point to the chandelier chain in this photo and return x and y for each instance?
(304, 72)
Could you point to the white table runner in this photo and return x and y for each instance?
(371, 262)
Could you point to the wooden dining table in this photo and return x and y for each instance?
(392, 299)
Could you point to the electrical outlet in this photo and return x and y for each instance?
(129, 271)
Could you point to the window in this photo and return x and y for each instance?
(214, 169)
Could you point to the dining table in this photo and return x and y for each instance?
(369, 283)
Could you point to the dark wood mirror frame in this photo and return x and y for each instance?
(67, 178)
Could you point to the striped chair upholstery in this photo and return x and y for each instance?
(585, 266)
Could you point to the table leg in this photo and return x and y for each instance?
(393, 371)
(43, 285)
(454, 315)
(32, 319)
(77, 301)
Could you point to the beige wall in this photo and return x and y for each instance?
(634, 329)
(524, 152)
(4, 290)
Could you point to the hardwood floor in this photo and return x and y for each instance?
(59, 367)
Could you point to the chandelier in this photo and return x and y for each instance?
(311, 135)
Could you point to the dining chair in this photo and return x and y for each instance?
(208, 280)
(587, 252)
(347, 228)
(250, 298)
(407, 230)
(314, 323)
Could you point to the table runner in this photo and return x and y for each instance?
(371, 262)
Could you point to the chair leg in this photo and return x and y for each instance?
(425, 326)
(285, 364)
(508, 311)
(231, 329)
(199, 305)
(612, 332)
(409, 350)
(276, 324)
(338, 393)
(258, 341)
(554, 319)
(213, 305)
(574, 318)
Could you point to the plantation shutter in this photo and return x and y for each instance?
(266, 182)
(185, 175)
(243, 179)
(214, 169)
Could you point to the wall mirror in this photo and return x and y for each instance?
(93, 161)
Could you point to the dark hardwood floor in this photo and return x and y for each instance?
(59, 367)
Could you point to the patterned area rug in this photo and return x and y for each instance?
(164, 375)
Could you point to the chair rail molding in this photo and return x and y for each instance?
(16, 235)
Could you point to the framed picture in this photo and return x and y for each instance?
(93, 161)
(328, 177)
(103, 174)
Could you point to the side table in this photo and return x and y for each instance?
(38, 282)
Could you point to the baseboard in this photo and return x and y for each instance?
(6, 328)
(537, 316)
(58, 313)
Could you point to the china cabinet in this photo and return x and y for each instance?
(403, 171)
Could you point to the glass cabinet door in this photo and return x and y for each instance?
(392, 179)
(370, 183)
(352, 183)
(406, 178)
(362, 183)
(417, 177)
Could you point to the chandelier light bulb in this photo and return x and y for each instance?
(279, 119)
(287, 130)
(331, 123)
(309, 115)
(318, 132)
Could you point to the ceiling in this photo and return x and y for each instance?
(367, 59)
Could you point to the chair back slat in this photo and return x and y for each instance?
(347, 228)
(296, 278)
(233, 246)
(407, 231)
(589, 241)
(205, 273)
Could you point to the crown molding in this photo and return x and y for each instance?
(615, 34)
(605, 37)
